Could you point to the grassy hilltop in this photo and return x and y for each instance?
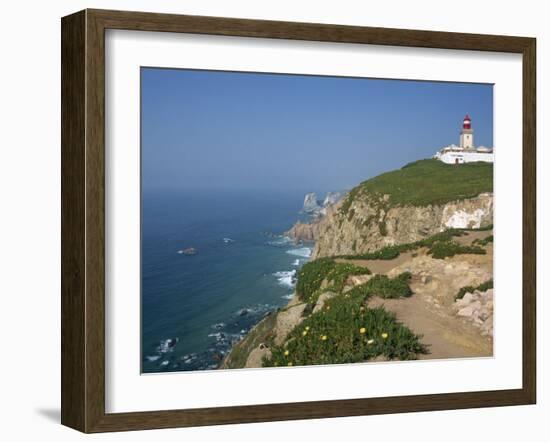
(427, 182)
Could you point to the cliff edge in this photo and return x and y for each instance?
(406, 205)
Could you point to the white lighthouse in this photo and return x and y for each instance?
(467, 134)
(466, 151)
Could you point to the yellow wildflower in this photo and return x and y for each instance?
(307, 327)
(304, 333)
(362, 330)
(370, 341)
(286, 352)
(324, 338)
(290, 364)
(384, 335)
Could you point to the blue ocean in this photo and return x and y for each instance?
(196, 306)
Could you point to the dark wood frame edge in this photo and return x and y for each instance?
(83, 215)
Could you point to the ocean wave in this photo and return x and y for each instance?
(286, 278)
(288, 296)
(281, 241)
(296, 262)
(304, 252)
(152, 358)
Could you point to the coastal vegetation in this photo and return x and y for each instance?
(346, 330)
(408, 185)
(484, 241)
(469, 289)
(440, 245)
(324, 274)
(261, 334)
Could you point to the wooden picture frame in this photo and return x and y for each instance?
(83, 220)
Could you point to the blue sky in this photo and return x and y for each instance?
(205, 130)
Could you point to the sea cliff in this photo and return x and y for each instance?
(368, 225)
(409, 255)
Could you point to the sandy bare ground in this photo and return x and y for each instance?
(435, 283)
(445, 335)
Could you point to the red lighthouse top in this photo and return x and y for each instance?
(467, 123)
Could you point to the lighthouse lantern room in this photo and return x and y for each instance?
(467, 134)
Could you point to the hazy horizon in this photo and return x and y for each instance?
(213, 130)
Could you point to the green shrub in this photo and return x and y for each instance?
(439, 246)
(484, 241)
(441, 250)
(392, 252)
(469, 289)
(384, 287)
(346, 332)
(313, 273)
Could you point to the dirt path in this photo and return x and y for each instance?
(381, 266)
(445, 335)
(429, 312)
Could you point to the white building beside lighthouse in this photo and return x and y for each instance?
(466, 152)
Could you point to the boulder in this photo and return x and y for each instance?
(466, 311)
(354, 280)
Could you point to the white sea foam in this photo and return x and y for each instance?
(152, 358)
(296, 262)
(288, 296)
(164, 363)
(304, 252)
(286, 278)
(281, 241)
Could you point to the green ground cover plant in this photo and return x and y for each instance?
(346, 330)
(470, 289)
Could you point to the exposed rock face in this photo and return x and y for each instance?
(309, 231)
(311, 204)
(368, 224)
(332, 198)
(477, 308)
(304, 231)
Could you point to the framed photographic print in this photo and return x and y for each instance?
(270, 220)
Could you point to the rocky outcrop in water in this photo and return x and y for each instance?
(311, 204)
(304, 231)
(308, 231)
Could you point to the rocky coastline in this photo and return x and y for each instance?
(451, 306)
